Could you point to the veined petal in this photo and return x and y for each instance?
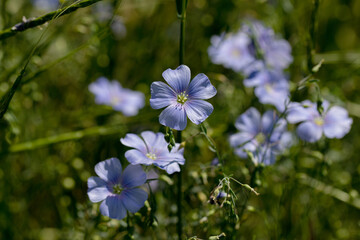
(268, 120)
(240, 138)
(136, 157)
(169, 158)
(201, 88)
(309, 131)
(198, 110)
(250, 121)
(133, 176)
(95, 182)
(177, 149)
(133, 199)
(174, 116)
(297, 113)
(134, 141)
(98, 190)
(154, 140)
(149, 137)
(179, 78)
(113, 207)
(171, 168)
(161, 95)
(109, 170)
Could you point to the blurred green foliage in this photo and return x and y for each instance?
(53, 133)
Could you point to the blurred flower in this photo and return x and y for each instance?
(118, 191)
(151, 148)
(103, 11)
(46, 5)
(253, 48)
(264, 137)
(232, 52)
(271, 87)
(118, 27)
(334, 121)
(215, 162)
(182, 98)
(121, 99)
(276, 52)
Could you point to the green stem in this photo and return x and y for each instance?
(182, 35)
(180, 194)
(32, 23)
(310, 49)
(42, 142)
(179, 136)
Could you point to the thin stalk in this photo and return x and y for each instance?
(180, 194)
(182, 35)
(179, 136)
(310, 49)
(43, 142)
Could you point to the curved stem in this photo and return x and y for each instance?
(32, 23)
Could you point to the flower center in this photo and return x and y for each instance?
(260, 138)
(182, 97)
(268, 88)
(115, 100)
(319, 121)
(150, 155)
(236, 53)
(117, 189)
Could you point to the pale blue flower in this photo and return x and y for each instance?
(121, 99)
(253, 48)
(104, 12)
(118, 190)
(118, 27)
(151, 148)
(334, 121)
(271, 87)
(232, 51)
(265, 137)
(182, 99)
(276, 52)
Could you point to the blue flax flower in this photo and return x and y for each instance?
(265, 137)
(334, 121)
(118, 191)
(271, 87)
(121, 99)
(232, 51)
(182, 98)
(276, 52)
(151, 148)
(253, 48)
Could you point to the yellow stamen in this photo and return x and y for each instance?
(182, 97)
